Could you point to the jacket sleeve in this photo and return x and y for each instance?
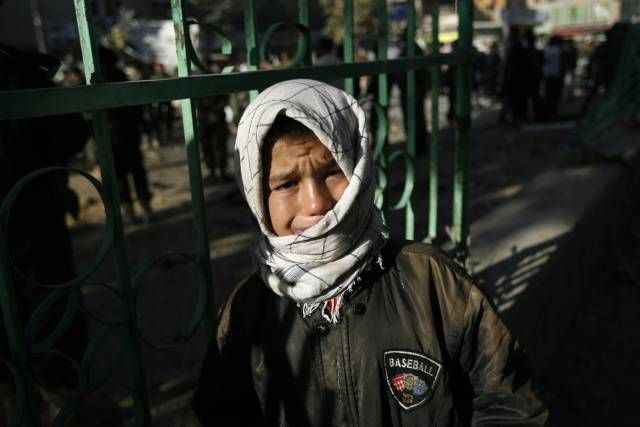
(498, 370)
(225, 395)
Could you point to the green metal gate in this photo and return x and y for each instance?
(97, 97)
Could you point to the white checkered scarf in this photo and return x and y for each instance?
(325, 260)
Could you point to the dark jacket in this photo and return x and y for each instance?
(418, 345)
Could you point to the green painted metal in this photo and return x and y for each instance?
(432, 232)
(107, 170)
(383, 45)
(410, 109)
(43, 102)
(97, 97)
(381, 105)
(349, 85)
(303, 19)
(622, 98)
(226, 47)
(191, 142)
(205, 306)
(304, 42)
(251, 39)
(462, 129)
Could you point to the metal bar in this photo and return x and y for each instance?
(383, 44)
(303, 18)
(349, 86)
(251, 40)
(410, 106)
(410, 110)
(435, 126)
(19, 104)
(380, 107)
(191, 141)
(107, 171)
(463, 127)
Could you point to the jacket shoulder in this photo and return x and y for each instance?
(431, 269)
(425, 254)
(243, 306)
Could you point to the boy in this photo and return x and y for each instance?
(339, 326)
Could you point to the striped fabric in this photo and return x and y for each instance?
(325, 260)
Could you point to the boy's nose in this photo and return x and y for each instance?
(316, 198)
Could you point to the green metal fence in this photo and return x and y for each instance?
(97, 97)
(621, 99)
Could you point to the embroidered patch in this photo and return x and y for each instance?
(411, 376)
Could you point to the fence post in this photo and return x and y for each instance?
(349, 86)
(105, 160)
(251, 40)
(303, 18)
(410, 109)
(435, 125)
(463, 128)
(192, 144)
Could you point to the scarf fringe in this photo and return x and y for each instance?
(331, 308)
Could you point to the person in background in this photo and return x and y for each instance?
(325, 53)
(161, 113)
(125, 125)
(570, 63)
(532, 77)
(494, 65)
(553, 72)
(604, 60)
(214, 131)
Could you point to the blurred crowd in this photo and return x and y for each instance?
(525, 76)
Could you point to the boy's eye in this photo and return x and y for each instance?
(284, 186)
(334, 172)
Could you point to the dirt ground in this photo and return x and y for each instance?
(586, 386)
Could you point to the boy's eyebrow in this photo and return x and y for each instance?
(287, 174)
(281, 176)
(331, 164)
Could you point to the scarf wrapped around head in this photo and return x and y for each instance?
(325, 259)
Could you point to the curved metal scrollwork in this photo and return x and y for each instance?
(226, 48)
(93, 349)
(81, 376)
(39, 318)
(40, 350)
(303, 46)
(202, 298)
(381, 133)
(405, 197)
(22, 401)
(110, 211)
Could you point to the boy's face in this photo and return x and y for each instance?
(302, 182)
